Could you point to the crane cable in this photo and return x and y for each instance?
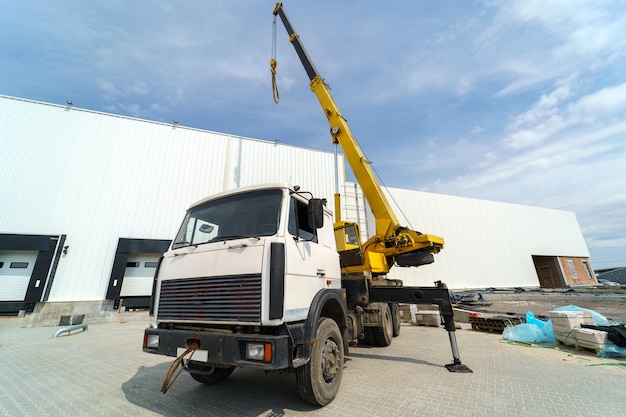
(273, 64)
(168, 382)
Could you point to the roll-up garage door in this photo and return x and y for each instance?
(139, 275)
(16, 268)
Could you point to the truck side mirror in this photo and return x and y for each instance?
(315, 213)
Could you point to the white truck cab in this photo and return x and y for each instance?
(247, 281)
(247, 257)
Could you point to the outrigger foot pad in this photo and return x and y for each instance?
(458, 367)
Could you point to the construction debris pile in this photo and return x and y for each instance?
(572, 326)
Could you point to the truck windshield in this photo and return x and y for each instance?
(251, 214)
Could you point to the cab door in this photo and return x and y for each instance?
(311, 264)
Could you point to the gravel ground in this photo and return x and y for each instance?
(609, 303)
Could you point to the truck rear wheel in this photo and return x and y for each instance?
(368, 336)
(395, 316)
(210, 375)
(319, 380)
(384, 333)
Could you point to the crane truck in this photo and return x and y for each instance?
(264, 277)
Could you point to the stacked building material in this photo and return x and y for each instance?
(564, 324)
(591, 339)
(423, 315)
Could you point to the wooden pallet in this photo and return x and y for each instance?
(427, 324)
(578, 347)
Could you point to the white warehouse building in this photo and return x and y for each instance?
(89, 201)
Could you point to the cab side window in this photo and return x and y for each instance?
(299, 223)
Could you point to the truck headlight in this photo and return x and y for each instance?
(152, 341)
(259, 351)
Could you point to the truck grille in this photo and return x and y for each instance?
(217, 299)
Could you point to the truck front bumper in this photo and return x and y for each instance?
(222, 349)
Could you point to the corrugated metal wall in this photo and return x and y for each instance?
(97, 177)
(487, 244)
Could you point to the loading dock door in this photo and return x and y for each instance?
(16, 268)
(130, 252)
(139, 275)
(30, 260)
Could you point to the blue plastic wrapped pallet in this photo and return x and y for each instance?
(533, 331)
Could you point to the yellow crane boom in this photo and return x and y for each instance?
(391, 244)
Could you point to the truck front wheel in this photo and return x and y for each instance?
(319, 380)
(210, 375)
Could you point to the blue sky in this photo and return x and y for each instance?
(513, 101)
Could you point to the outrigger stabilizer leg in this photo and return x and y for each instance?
(438, 295)
(456, 365)
(445, 307)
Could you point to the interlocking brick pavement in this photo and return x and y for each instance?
(103, 372)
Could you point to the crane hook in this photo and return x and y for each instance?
(273, 62)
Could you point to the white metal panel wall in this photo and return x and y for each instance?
(487, 244)
(258, 162)
(97, 177)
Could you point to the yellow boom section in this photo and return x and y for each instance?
(386, 221)
(391, 243)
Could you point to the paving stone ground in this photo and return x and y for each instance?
(103, 372)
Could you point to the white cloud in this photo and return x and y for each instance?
(489, 159)
(536, 134)
(602, 104)
(476, 130)
(552, 114)
(547, 40)
(464, 86)
(547, 105)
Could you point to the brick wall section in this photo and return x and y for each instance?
(556, 272)
(580, 274)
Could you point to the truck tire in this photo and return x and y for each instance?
(368, 336)
(319, 380)
(210, 375)
(384, 334)
(395, 316)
